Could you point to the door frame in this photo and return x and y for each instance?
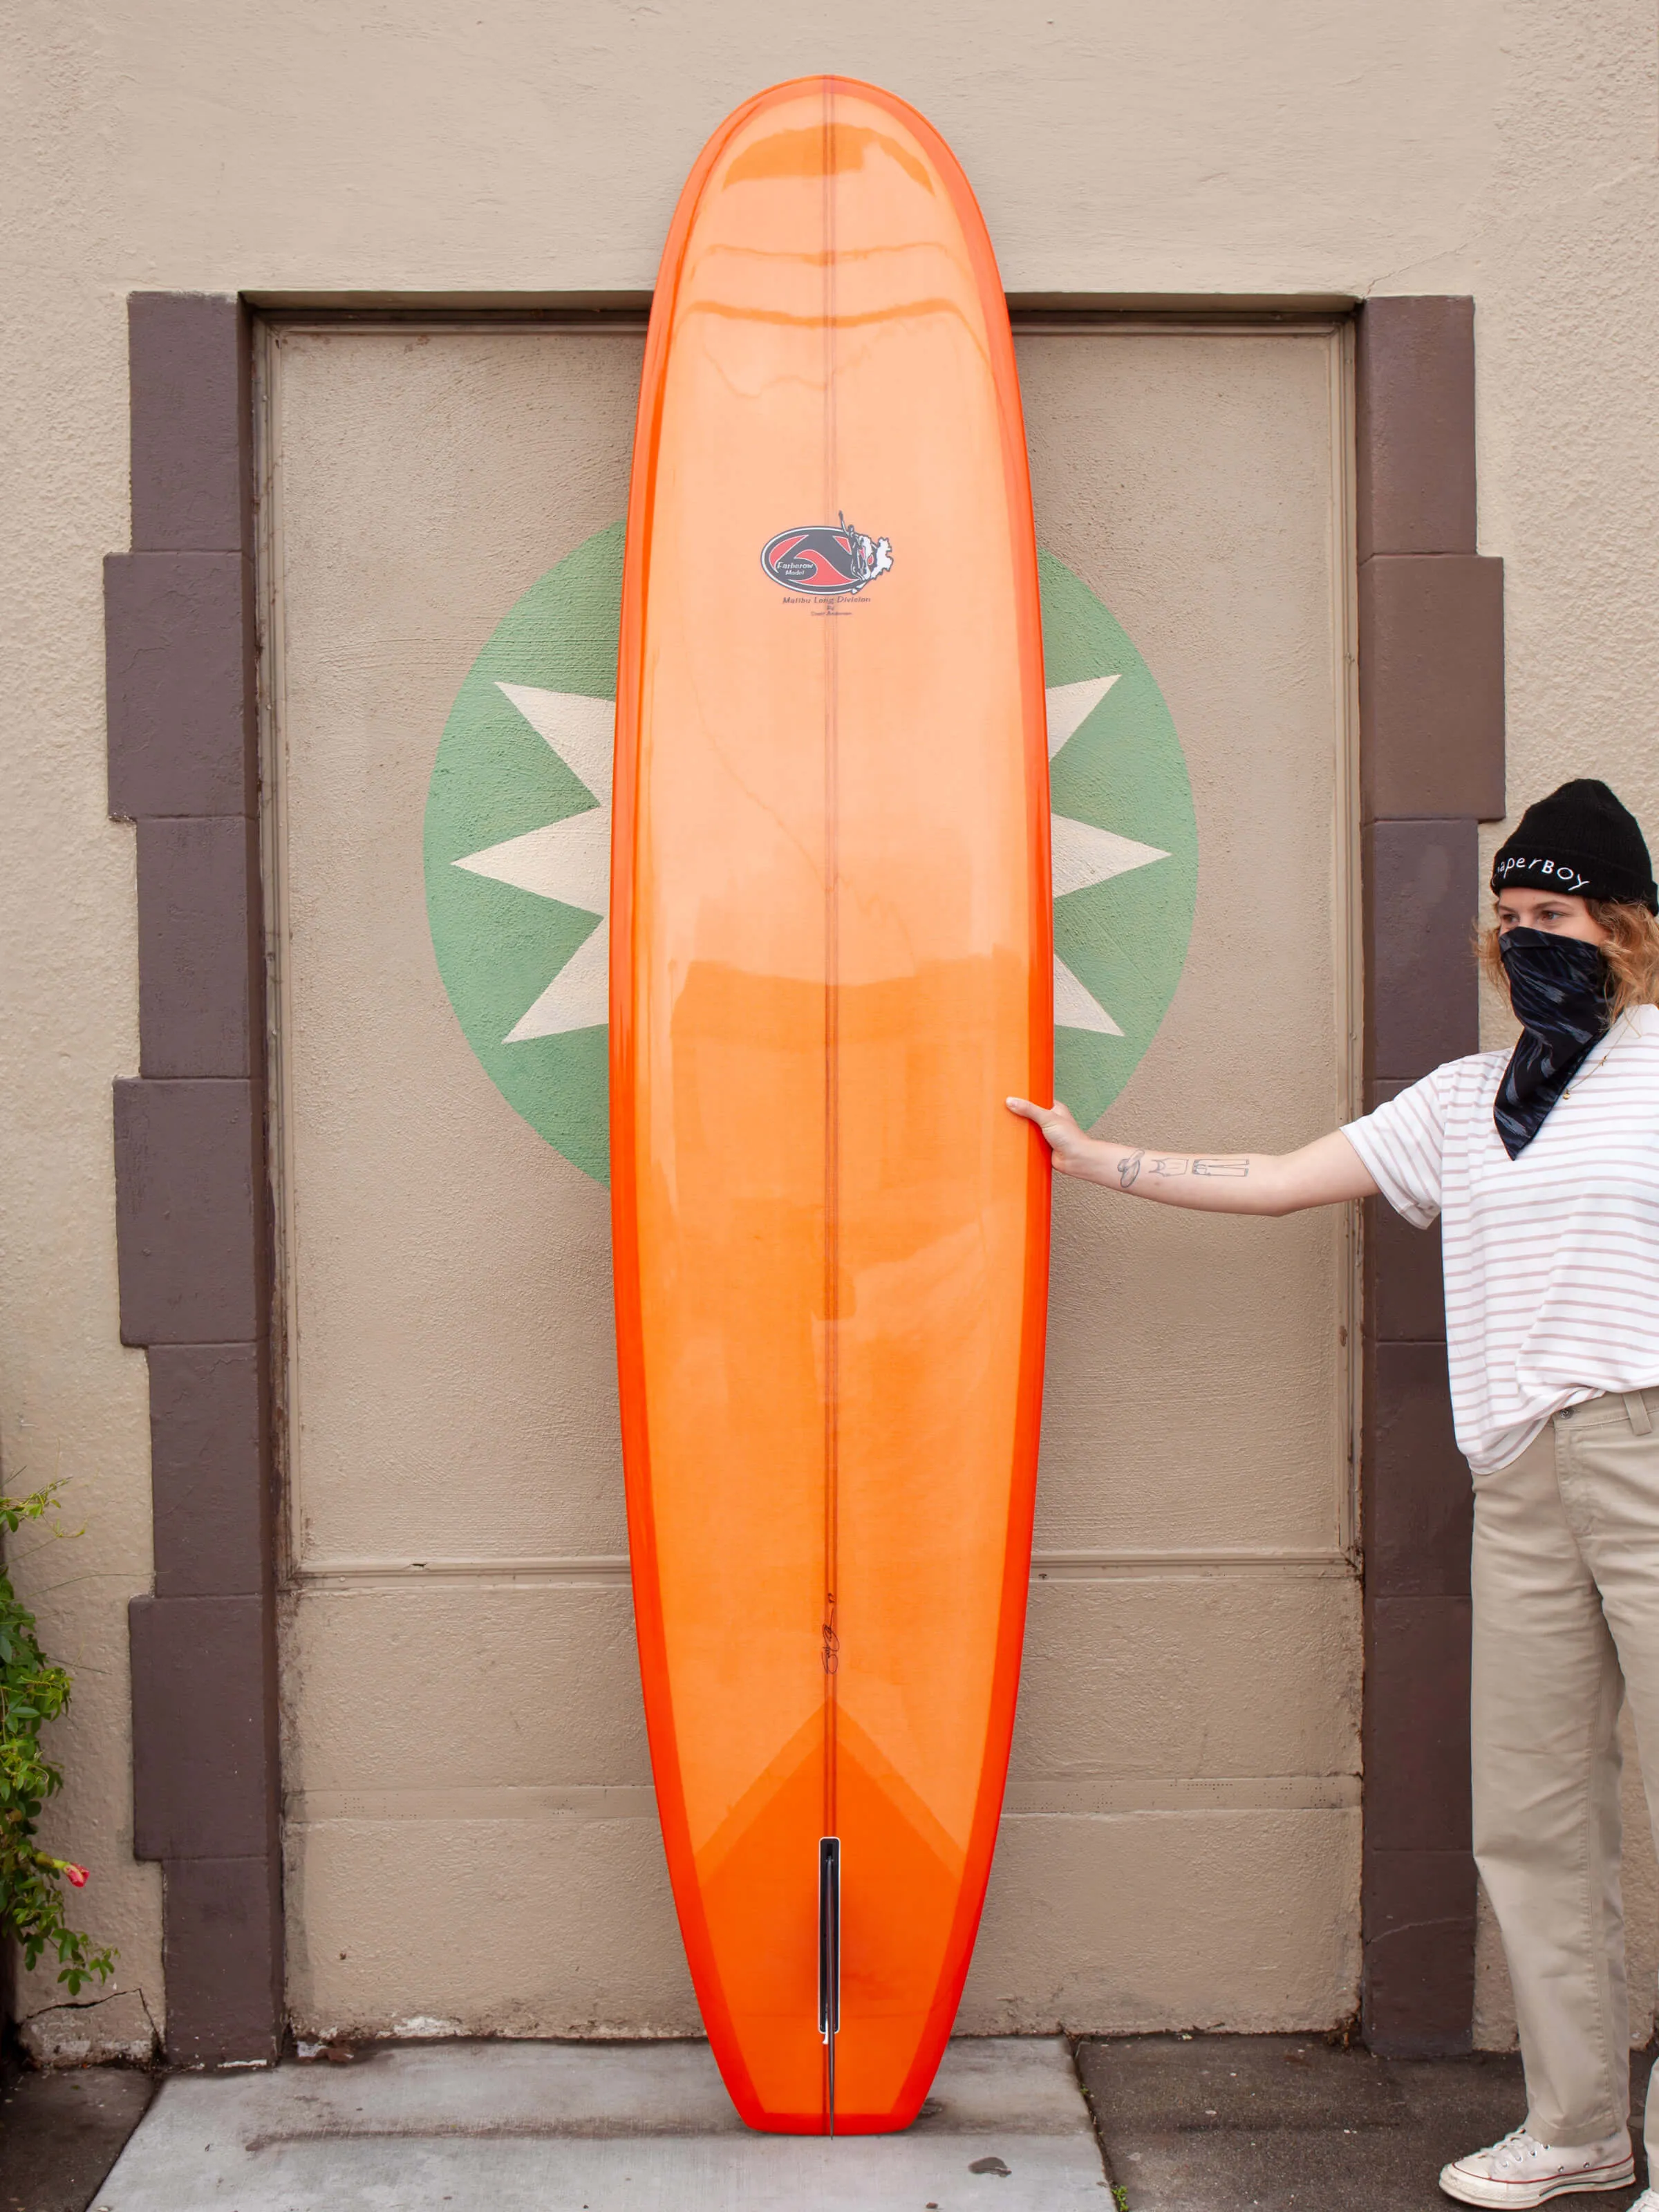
(195, 1186)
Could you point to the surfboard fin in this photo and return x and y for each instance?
(829, 1959)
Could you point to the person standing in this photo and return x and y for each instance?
(1542, 1166)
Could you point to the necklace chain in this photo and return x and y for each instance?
(1613, 1041)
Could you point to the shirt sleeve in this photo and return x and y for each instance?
(1403, 1143)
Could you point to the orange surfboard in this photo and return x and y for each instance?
(831, 960)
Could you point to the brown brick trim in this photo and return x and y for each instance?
(1431, 768)
(191, 1209)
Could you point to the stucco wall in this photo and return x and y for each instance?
(1503, 150)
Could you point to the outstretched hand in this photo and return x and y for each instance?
(1058, 1125)
(1323, 1173)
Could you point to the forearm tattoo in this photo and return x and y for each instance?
(1169, 1164)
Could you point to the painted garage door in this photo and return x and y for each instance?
(470, 1828)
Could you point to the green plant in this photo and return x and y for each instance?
(31, 1693)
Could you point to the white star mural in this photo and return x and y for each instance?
(570, 860)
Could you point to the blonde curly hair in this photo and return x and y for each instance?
(1632, 952)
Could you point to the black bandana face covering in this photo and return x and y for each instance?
(1559, 989)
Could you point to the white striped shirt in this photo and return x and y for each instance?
(1551, 1259)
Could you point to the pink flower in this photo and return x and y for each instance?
(75, 1875)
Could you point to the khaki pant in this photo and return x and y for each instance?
(1566, 1621)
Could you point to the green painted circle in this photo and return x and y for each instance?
(498, 946)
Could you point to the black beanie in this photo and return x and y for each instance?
(1583, 840)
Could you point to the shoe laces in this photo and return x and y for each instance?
(1516, 2148)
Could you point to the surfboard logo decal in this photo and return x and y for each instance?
(518, 848)
(825, 560)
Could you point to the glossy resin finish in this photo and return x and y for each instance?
(831, 961)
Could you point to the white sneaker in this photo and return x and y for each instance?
(1521, 2171)
(1647, 2202)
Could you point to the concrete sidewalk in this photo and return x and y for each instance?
(1190, 2124)
(550, 2127)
